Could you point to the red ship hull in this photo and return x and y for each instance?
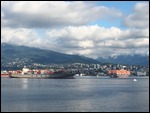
(4, 75)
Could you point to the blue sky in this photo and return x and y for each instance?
(93, 29)
(124, 6)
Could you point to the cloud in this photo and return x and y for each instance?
(48, 14)
(87, 40)
(93, 32)
(91, 41)
(140, 16)
(124, 44)
(20, 36)
(67, 29)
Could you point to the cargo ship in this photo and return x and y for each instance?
(119, 73)
(46, 74)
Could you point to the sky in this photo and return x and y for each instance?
(93, 29)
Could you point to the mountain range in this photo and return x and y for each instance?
(13, 55)
(135, 59)
(10, 53)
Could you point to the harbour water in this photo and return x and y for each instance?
(83, 94)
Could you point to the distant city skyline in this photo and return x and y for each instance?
(93, 29)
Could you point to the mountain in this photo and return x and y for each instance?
(22, 55)
(135, 59)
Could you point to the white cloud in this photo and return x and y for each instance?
(20, 36)
(22, 22)
(33, 14)
(85, 32)
(87, 40)
(86, 44)
(100, 41)
(140, 16)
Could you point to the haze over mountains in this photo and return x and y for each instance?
(135, 59)
(35, 55)
(13, 54)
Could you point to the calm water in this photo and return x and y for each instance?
(83, 94)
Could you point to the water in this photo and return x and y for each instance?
(83, 94)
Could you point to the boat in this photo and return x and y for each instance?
(119, 73)
(58, 75)
(26, 73)
(134, 80)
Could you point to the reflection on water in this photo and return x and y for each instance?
(24, 83)
(87, 94)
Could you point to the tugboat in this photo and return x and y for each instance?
(27, 73)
